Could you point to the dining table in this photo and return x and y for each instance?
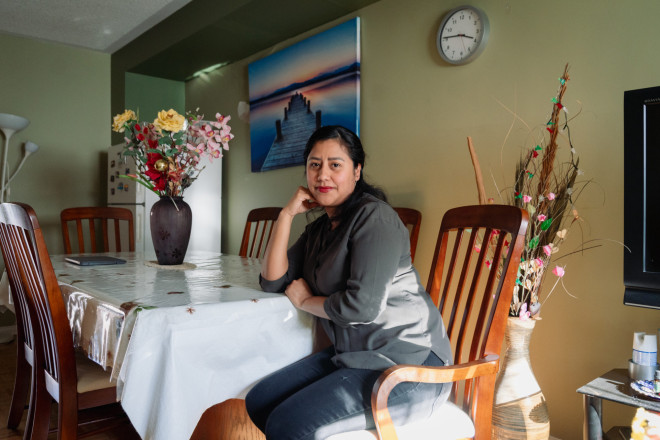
(179, 339)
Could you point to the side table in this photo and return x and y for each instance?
(613, 386)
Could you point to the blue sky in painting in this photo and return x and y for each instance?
(324, 52)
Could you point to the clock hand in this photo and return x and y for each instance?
(463, 44)
(458, 35)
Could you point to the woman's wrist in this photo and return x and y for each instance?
(286, 216)
(314, 305)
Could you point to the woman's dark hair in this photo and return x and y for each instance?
(353, 145)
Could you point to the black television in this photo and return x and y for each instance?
(641, 133)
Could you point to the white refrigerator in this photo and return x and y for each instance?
(204, 197)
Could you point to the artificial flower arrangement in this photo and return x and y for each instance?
(169, 150)
(645, 425)
(547, 188)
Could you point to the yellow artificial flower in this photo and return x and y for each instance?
(170, 121)
(121, 119)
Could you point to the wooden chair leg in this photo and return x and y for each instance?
(227, 421)
(27, 433)
(67, 417)
(41, 418)
(21, 390)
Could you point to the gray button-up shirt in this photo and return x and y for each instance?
(380, 314)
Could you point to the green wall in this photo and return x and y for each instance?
(416, 113)
(148, 95)
(65, 93)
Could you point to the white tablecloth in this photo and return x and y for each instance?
(188, 339)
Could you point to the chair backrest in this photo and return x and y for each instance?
(24, 338)
(412, 218)
(24, 331)
(92, 217)
(28, 264)
(472, 278)
(256, 234)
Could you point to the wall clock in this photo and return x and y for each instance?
(462, 35)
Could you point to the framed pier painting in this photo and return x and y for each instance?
(312, 83)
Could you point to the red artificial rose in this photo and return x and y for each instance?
(157, 177)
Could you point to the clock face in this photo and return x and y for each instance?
(462, 35)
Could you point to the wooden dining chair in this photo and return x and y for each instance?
(87, 219)
(23, 393)
(60, 374)
(258, 226)
(472, 279)
(226, 420)
(412, 218)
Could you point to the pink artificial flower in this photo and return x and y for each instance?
(539, 262)
(541, 217)
(199, 148)
(524, 314)
(551, 196)
(527, 199)
(226, 137)
(222, 119)
(488, 263)
(477, 248)
(214, 154)
(559, 271)
(547, 249)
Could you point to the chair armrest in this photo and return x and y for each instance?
(489, 365)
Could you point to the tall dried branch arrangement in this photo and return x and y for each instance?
(545, 186)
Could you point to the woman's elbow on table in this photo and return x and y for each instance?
(272, 286)
(345, 314)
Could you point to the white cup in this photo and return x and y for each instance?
(645, 349)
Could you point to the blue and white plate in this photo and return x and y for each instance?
(644, 387)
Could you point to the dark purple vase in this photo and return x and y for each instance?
(171, 222)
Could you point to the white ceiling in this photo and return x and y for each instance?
(170, 39)
(101, 25)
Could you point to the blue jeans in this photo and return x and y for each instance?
(313, 399)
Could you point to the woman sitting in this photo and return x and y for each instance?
(352, 269)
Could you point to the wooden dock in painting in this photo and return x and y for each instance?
(291, 134)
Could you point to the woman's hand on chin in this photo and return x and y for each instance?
(301, 201)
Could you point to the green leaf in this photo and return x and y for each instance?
(546, 224)
(533, 242)
(142, 182)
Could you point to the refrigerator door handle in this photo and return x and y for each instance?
(139, 230)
